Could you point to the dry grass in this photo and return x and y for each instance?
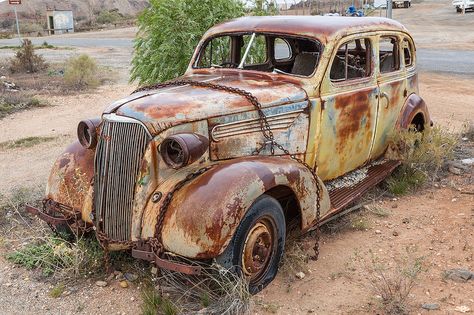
(469, 131)
(12, 102)
(295, 259)
(24, 142)
(31, 244)
(394, 284)
(215, 291)
(423, 156)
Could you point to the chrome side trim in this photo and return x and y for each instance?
(278, 121)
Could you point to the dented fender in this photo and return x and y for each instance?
(69, 182)
(413, 105)
(204, 214)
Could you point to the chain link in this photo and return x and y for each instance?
(269, 140)
(156, 241)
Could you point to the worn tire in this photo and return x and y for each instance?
(265, 209)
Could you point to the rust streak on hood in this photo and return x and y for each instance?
(170, 106)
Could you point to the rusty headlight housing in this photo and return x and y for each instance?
(87, 132)
(183, 149)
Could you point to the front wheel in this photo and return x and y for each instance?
(258, 244)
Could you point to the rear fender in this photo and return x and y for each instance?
(413, 105)
(69, 182)
(204, 215)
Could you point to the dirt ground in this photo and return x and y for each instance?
(436, 224)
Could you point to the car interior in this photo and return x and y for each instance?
(352, 61)
(267, 52)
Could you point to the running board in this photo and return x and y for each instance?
(343, 194)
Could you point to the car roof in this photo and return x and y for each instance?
(324, 28)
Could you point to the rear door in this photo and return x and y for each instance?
(391, 77)
(348, 117)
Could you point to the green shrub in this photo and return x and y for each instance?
(109, 17)
(53, 255)
(170, 30)
(81, 73)
(26, 60)
(423, 155)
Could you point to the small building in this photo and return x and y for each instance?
(59, 21)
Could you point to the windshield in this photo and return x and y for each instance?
(261, 52)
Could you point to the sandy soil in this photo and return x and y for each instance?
(436, 224)
(30, 166)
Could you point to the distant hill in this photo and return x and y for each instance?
(81, 8)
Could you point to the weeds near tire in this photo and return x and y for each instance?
(215, 291)
(423, 156)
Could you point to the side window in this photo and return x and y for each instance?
(407, 53)
(352, 61)
(282, 49)
(389, 54)
(257, 53)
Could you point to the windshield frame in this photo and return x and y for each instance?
(205, 41)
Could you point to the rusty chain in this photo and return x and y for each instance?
(269, 140)
(156, 241)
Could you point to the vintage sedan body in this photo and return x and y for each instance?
(271, 116)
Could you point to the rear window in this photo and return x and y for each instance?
(407, 53)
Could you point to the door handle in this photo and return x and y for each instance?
(385, 95)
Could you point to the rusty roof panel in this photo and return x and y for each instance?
(320, 27)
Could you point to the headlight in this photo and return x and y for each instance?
(87, 132)
(183, 149)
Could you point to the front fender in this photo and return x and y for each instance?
(204, 214)
(69, 182)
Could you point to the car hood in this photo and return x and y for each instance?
(160, 109)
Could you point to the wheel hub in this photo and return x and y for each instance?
(257, 250)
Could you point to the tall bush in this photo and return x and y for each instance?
(170, 30)
(26, 60)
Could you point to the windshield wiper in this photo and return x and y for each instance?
(242, 62)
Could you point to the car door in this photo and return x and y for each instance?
(391, 77)
(349, 107)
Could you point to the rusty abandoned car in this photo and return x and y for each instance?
(276, 120)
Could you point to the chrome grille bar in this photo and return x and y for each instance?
(119, 153)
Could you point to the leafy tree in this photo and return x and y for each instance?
(169, 31)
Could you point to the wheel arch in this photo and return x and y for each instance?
(415, 111)
(197, 225)
(69, 181)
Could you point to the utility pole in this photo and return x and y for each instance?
(389, 8)
(15, 3)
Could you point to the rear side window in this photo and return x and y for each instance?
(352, 61)
(389, 54)
(407, 53)
(282, 49)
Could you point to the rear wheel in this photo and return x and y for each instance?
(257, 246)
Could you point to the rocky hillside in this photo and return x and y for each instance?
(81, 8)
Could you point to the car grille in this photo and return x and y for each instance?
(119, 152)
